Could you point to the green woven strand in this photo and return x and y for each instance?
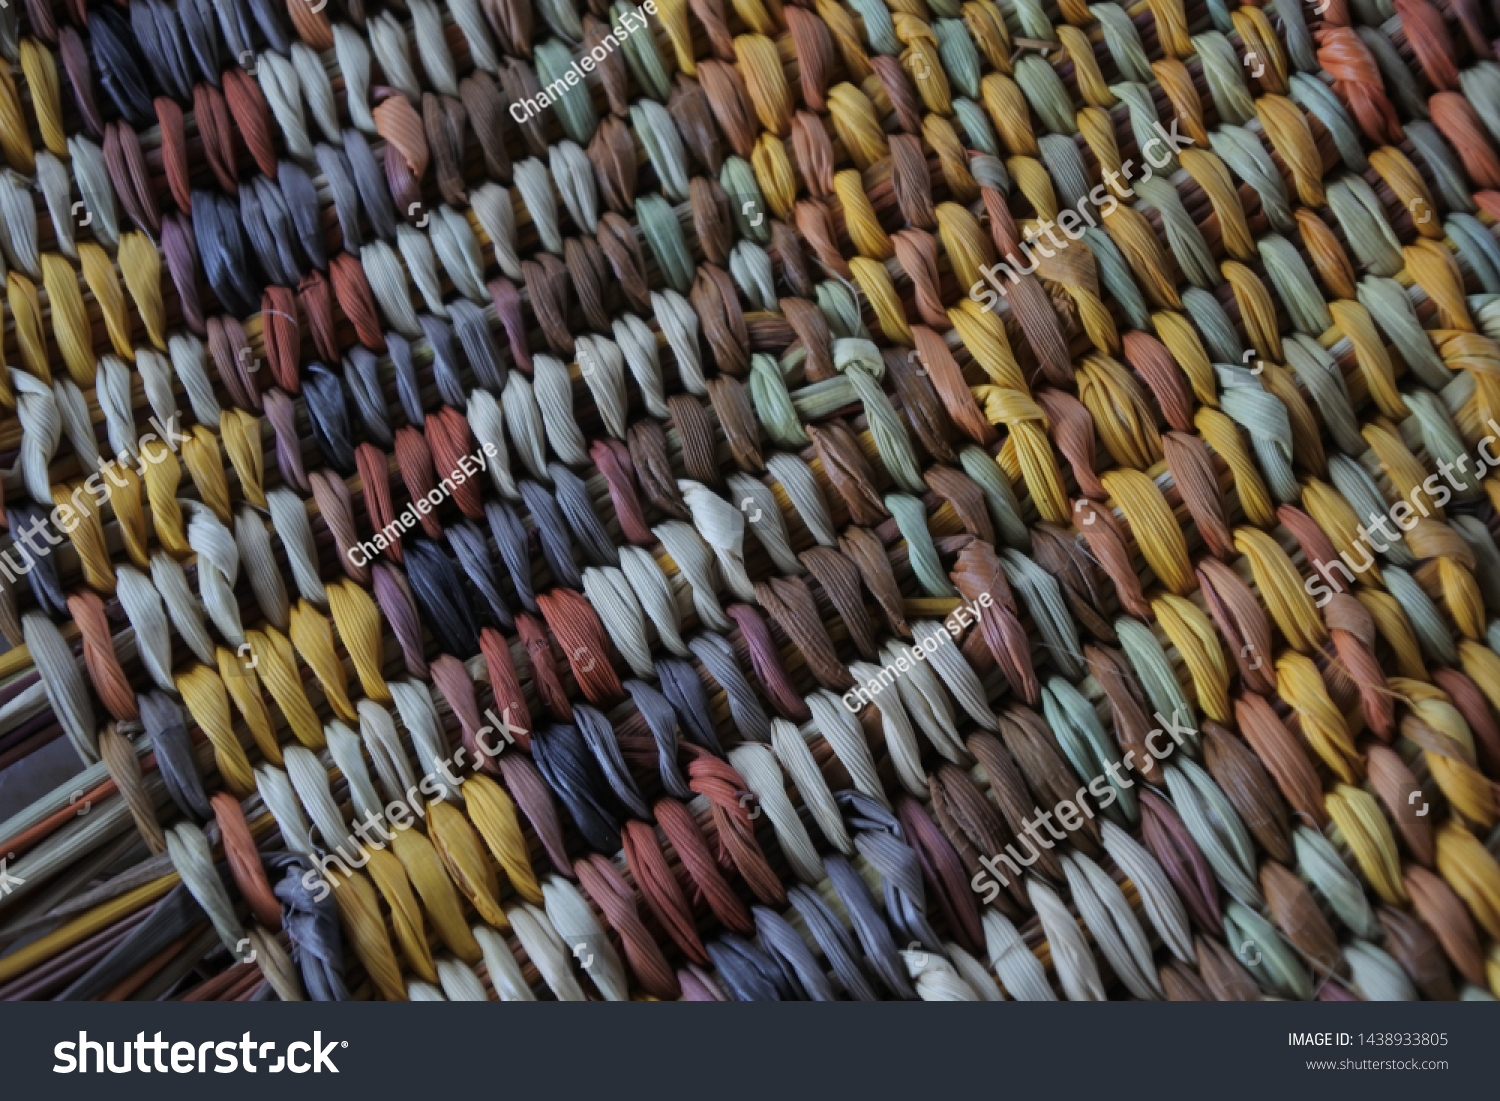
(1452, 184)
(1222, 69)
(975, 123)
(1155, 673)
(1117, 279)
(859, 361)
(880, 32)
(1294, 283)
(840, 308)
(1319, 372)
(819, 399)
(1376, 975)
(562, 17)
(1299, 41)
(1005, 510)
(1481, 87)
(658, 220)
(1192, 252)
(1088, 748)
(1265, 954)
(1486, 557)
(1247, 158)
(1124, 42)
(1443, 443)
(753, 274)
(1043, 598)
(643, 59)
(911, 519)
(1032, 19)
(1486, 311)
(1216, 826)
(1400, 84)
(1268, 424)
(1320, 863)
(773, 405)
(747, 205)
(959, 54)
(1220, 338)
(664, 147)
(575, 108)
(1426, 620)
(1311, 94)
(990, 172)
(1065, 165)
(1359, 212)
(1046, 93)
(1476, 249)
(1359, 489)
(1391, 307)
(1143, 121)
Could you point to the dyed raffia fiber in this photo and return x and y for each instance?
(718, 413)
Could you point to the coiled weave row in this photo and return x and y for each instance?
(720, 402)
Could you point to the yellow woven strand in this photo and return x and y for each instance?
(406, 913)
(78, 510)
(865, 231)
(39, 69)
(463, 856)
(359, 625)
(207, 702)
(239, 431)
(1396, 629)
(1354, 321)
(1369, 837)
(243, 686)
(104, 284)
(360, 912)
(26, 309)
(1120, 410)
(439, 897)
(70, 321)
(1156, 530)
(494, 815)
(312, 635)
(1281, 589)
(15, 142)
(1193, 635)
(140, 264)
(875, 281)
(774, 175)
(1298, 683)
(1223, 435)
(276, 663)
(1465, 863)
(1181, 339)
(200, 454)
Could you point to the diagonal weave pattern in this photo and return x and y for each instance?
(872, 499)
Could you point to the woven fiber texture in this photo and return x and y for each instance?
(844, 499)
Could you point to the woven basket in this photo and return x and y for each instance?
(837, 500)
